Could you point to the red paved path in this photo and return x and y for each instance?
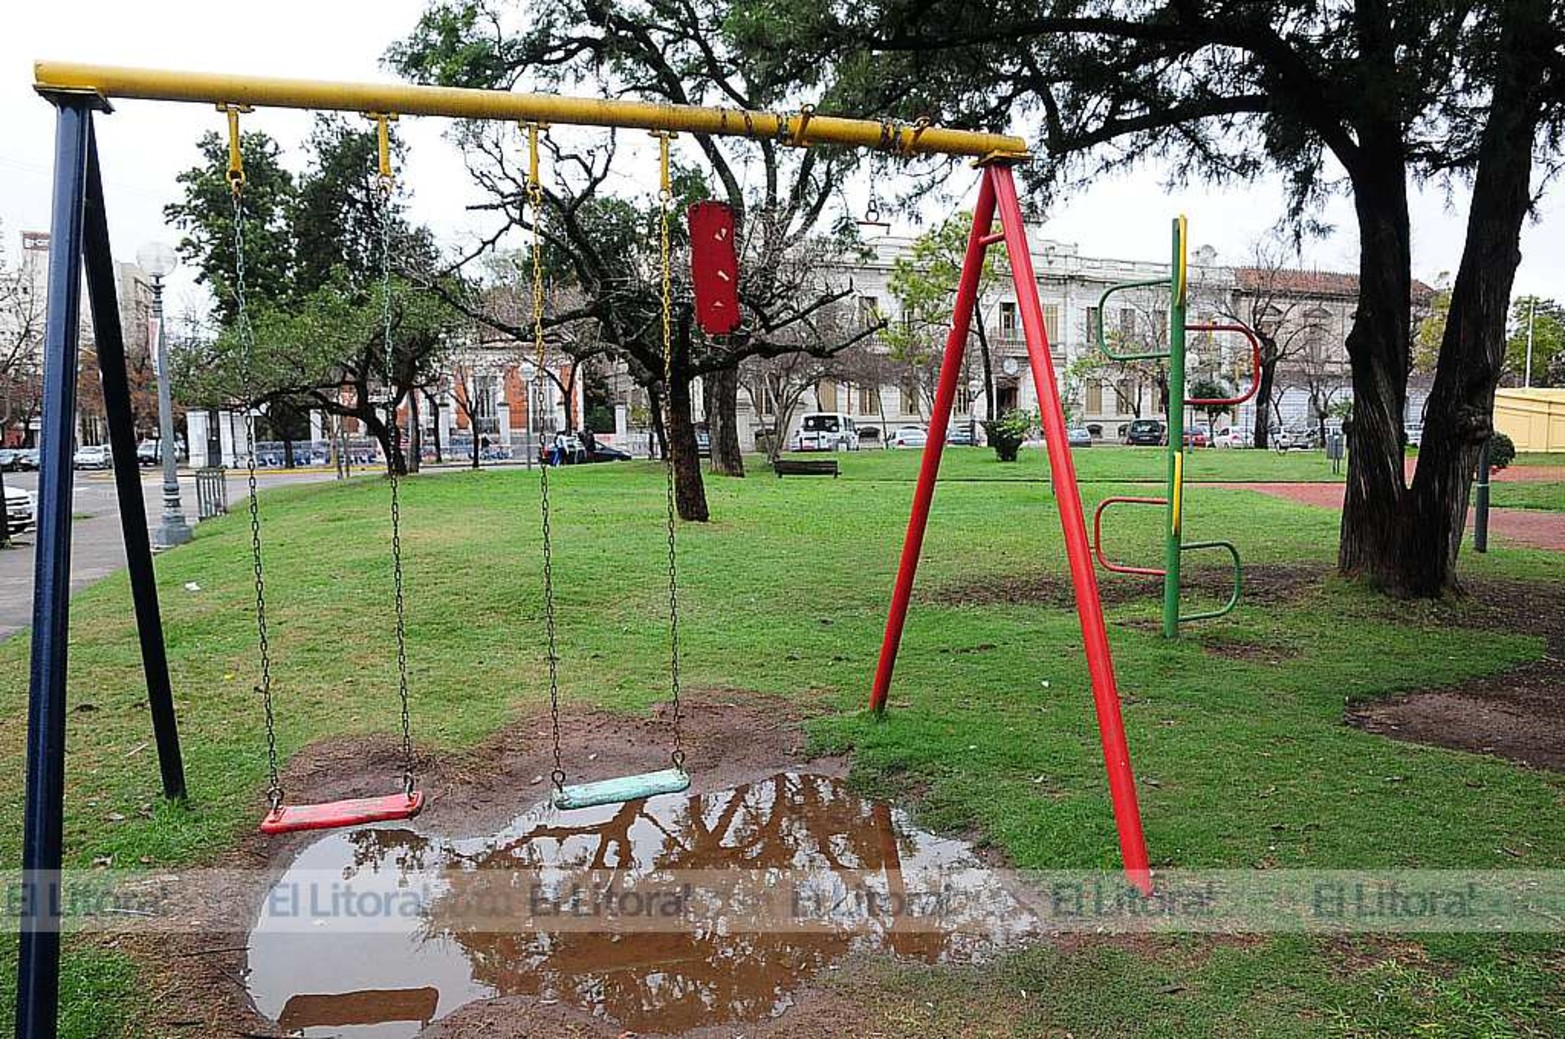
(1523, 526)
(1532, 474)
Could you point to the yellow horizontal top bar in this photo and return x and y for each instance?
(462, 103)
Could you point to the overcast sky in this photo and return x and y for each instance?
(145, 144)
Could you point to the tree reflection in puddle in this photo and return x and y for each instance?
(376, 932)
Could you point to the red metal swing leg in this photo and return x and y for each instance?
(945, 398)
(997, 193)
(1094, 633)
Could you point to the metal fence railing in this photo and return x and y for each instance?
(211, 492)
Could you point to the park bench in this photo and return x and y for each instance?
(805, 467)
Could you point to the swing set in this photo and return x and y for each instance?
(1174, 545)
(80, 242)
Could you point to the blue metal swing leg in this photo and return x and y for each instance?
(38, 956)
(622, 788)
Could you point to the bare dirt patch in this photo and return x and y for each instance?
(1518, 714)
(1269, 584)
(1247, 652)
(731, 737)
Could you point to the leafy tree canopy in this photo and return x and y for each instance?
(1545, 320)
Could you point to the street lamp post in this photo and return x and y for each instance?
(1532, 308)
(158, 260)
(973, 388)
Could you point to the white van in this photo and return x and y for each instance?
(826, 431)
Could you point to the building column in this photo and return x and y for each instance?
(447, 410)
(196, 430)
(228, 454)
(502, 414)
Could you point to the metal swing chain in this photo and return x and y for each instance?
(384, 187)
(665, 206)
(274, 786)
(535, 202)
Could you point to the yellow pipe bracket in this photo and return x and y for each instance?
(236, 158)
(383, 121)
(665, 179)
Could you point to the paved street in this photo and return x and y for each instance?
(96, 548)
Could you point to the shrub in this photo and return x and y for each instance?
(1007, 433)
(1502, 451)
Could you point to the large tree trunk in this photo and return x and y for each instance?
(722, 420)
(415, 434)
(1378, 348)
(390, 446)
(434, 415)
(1472, 350)
(988, 363)
(1263, 393)
(689, 490)
(657, 443)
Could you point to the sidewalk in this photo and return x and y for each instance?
(150, 475)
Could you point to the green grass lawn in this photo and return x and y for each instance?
(1099, 463)
(1243, 764)
(1540, 458)
(1549, 497)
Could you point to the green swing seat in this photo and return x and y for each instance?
(622, 788)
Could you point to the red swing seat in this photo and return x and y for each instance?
(332, 815)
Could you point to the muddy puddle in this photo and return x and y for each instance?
(661, 915)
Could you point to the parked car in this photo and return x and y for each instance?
(964, 435)
(605, 453)
(9, 458)
(1145, 432)
(1298, 438)
(1232, 436)
(909, 436)
(577, 454)
(93, 457)
(1295, 438)
(19, 510)
(1196, 437)
(148, 452)
(826, 431)
(27, 460)
(1078, 436)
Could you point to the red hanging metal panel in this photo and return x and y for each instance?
(714, 267)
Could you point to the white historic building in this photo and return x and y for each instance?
(488, 396)
(1309, 312)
